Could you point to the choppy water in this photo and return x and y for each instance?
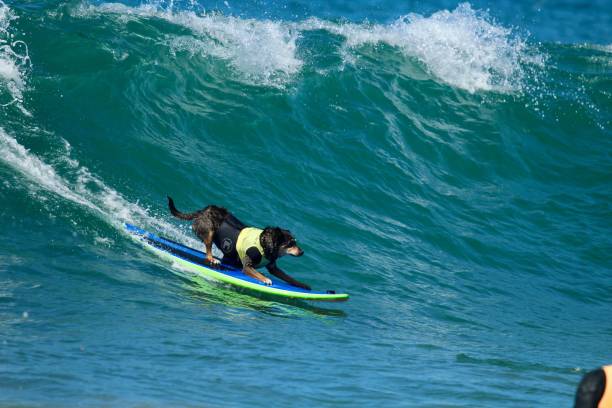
(448, 165)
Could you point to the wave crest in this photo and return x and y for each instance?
(81, 187)
(14, 61)
(463, 48)
(262, 51)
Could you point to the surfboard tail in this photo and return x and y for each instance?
(178, 214)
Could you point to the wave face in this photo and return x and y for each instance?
(445, 168)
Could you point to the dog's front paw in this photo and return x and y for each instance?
(267, 281)
(213, 261)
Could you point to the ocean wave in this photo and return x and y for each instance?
(14, 61)
(263, 51)
(81, 187)
(604, 48)
(464, 48)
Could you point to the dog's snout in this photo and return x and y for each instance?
(295, 251)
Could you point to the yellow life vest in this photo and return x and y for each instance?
(249, 237)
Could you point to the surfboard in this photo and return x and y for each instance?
(195, 261)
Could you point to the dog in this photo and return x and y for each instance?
(243, 247)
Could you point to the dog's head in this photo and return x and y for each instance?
(278, 242)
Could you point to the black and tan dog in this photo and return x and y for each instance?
(243, 247)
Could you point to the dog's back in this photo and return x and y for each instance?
(205, 221)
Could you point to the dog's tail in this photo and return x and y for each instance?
(179, 214)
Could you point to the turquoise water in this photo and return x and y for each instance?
(448, 165)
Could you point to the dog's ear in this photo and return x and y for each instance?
(287, 235)
(278, 238)
(271, 240)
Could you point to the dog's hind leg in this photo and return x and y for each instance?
(204, 228)
(208, 241)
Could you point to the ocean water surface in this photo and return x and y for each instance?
(447, 164)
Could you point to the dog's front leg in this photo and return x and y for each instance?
(252, 272)
(276, 271)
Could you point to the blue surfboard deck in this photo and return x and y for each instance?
(195, 261)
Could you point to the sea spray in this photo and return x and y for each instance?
(464, 48)
(14, 61)
(83, 188)
(262, 51)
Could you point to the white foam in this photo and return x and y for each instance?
(463, 48)
(604, 48)
(262, 51)
(5, 17)
(14, 60)
(84, 189)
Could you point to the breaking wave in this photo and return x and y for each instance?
(463, 48)
(14, 62)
